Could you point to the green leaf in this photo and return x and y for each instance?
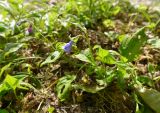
(12, 47)
(35, 82)
(3, 27)
(84, 56)
(51, 109)
(10, 83)
(4, 68)
(116, 10)
(105, 56)
(109, 23)
(16, 2)
(52, 58)
(106, 80)
(90, 89)
(130, 46)
(3, 111)
(145, 80)
(151, 97)
(6, 7)
(151, 68)
(63, 86)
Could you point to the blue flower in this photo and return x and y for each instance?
(68, 46)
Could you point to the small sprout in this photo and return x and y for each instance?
(68, 46)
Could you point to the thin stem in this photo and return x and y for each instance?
(90, 48)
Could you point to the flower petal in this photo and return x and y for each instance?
(67, 47)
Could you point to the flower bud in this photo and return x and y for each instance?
(68, 46)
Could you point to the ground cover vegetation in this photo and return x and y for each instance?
(79, 56)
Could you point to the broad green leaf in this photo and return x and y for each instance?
(143, 109)
(64, 86)
(6, 7)
(90, 89)
(52, 58)
(151, 97)
(10, 83)
(16, 1)
(26, 39)
(4, 68)
(105, 56)
(3, 111)
(130, 46)
(82, 57)
(12, 47)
